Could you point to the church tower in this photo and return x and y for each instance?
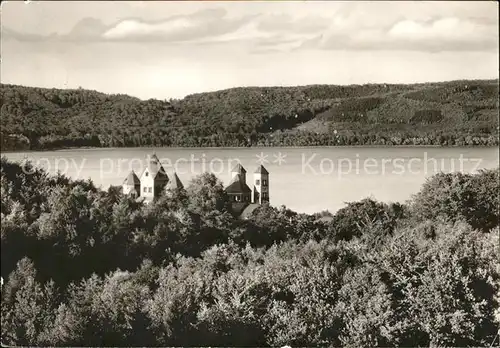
(153, 179)
(260, 191)
(238, 190)
(239, 170)
(132, 185)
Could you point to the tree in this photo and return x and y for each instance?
(456, 196)
(268, 225)
(206, 193)
(366, 309)
(28, 307)
(444, 288)
(172, 308)
(366, 217)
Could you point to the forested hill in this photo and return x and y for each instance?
(448, 114)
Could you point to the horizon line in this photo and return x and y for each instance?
(496, 79)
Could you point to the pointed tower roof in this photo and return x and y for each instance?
(261, 170)
(237, 185)
(175, 182)
(155, 167)
(132, 179)
(238, 169)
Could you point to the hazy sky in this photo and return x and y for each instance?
(170, 49)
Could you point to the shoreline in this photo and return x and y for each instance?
(240, 147)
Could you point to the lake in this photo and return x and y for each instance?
(309, 179)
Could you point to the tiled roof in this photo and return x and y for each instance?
(238, 207)
(245, 214)
(237, 185)
(325, 219)
(131, 179)
(261, 170)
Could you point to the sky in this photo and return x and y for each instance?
(171, 49)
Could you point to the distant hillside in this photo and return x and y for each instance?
(448, 114)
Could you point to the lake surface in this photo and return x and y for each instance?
(307, 180)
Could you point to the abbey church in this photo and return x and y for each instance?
(154, 180)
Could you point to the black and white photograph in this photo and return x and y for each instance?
(250, 174)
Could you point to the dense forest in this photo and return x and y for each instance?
(458, 113)
(86, 267)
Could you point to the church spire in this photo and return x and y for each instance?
(260, 190)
